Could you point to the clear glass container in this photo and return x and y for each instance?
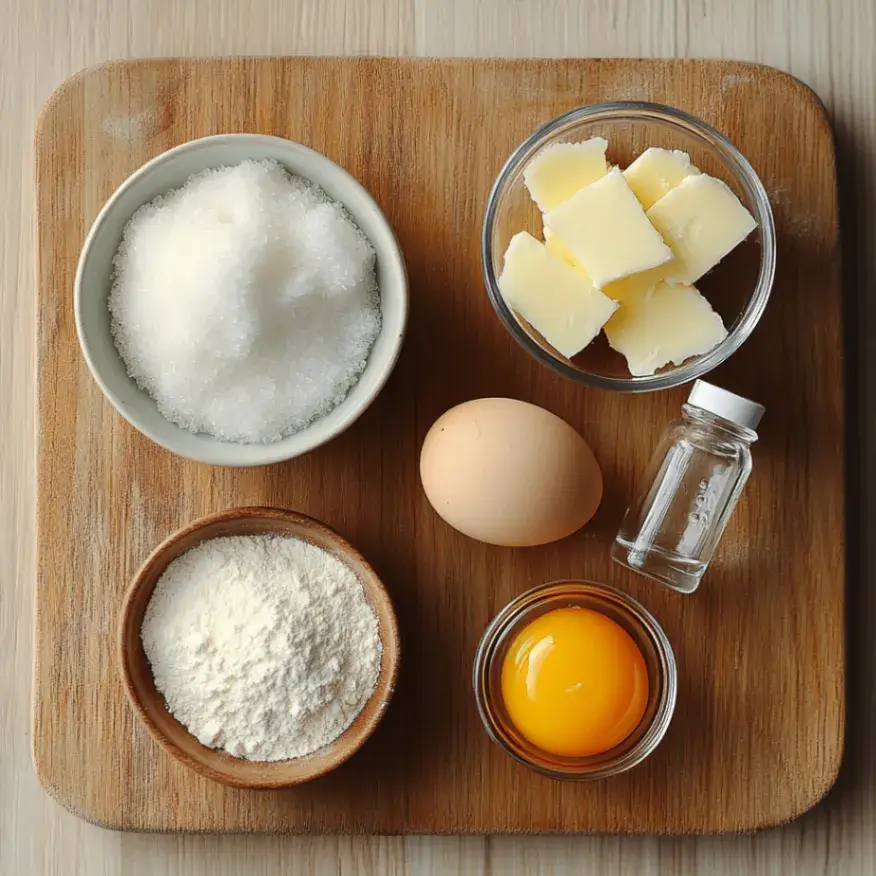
(738, 290)
(696, 477)
(632, 617)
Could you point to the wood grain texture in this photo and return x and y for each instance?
(827, 45)
(757, 737)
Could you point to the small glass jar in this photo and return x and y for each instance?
(696, 477)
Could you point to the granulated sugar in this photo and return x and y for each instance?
(264, 646)
(245, 303)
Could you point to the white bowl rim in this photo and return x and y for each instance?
(279, 451)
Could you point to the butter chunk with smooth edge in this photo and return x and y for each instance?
(662, 324)
(560, 170)
(656, 172)
(607, 231)
(702, 221)
(556, 300)
(619, 289)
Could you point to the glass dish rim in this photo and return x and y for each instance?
(745, 175)
(509, 614)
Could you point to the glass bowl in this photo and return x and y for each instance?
(646, 633)
(738, 288)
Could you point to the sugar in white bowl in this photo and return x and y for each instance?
(169, 171)
(245, 302)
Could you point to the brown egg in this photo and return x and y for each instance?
(509, 473)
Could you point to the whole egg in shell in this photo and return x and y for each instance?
(509, 473)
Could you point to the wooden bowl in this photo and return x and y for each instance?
(150, 705)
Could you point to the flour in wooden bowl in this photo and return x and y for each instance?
(262, 645)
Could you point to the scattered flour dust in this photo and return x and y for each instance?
(264, 646)
(245, 303)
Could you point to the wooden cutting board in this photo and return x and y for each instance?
(758, 733)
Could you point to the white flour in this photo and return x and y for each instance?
(263, 646)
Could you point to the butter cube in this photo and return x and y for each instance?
(702, 220)
(619, 289)
(656, 171)
(555, 299)
(607, 231)
(663, 324)
(560, 170)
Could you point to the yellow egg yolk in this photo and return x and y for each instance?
(574, 682)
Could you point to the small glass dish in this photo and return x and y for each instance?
(738, 288)
(646, 633)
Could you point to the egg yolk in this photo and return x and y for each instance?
(574, 682)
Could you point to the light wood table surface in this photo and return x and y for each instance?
(831, 46)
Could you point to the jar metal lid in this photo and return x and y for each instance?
(727, 405)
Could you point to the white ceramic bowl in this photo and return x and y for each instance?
(169, 171)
